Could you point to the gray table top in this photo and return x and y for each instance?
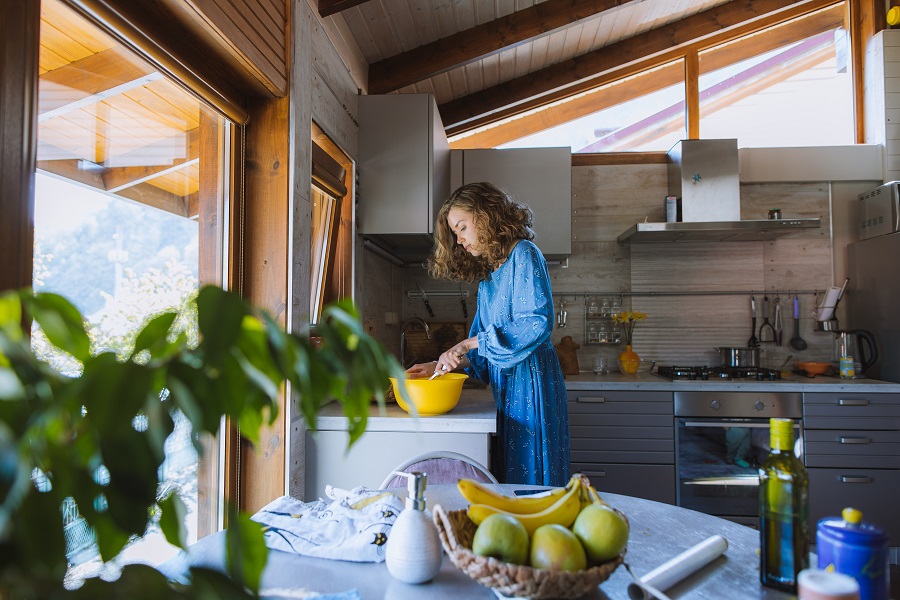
(659, 532)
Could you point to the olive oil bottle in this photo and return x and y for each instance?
(783, 511)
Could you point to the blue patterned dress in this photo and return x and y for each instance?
(516, 357)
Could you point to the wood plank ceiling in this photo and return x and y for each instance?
(487, 60)
(109, 121)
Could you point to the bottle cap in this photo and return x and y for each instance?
(782, 433)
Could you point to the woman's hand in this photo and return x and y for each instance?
(421, 370)
(455, 357)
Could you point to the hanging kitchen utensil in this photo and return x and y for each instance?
(462, 298)
(425, 300)
(778, 323)
(754, 341)
(766, 330)
(797, 342)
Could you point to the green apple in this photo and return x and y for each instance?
(503, 537)
(556, 547)
(602, 531)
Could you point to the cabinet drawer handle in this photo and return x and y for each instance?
(848, 479)
(595, 473)
(852, 402)
(592, 399)
(855, 440)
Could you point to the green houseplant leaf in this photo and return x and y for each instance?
(97, 438)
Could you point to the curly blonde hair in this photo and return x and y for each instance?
(499, 221)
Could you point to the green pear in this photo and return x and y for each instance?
(503, 537)
(556, 547)
(602, 531)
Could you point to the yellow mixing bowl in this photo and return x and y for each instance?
(431, 397)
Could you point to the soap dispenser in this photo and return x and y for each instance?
(413, 553)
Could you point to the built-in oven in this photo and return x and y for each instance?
(721, 439)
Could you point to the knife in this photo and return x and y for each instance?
(425, 300)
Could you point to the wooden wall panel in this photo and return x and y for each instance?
(266, 246)
(322, 91)
(19, 42)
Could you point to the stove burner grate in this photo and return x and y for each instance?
(676, 373)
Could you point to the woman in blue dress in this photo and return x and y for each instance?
(483, 235)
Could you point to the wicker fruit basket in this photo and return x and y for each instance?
(456, 531)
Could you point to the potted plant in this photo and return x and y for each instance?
(97, 438)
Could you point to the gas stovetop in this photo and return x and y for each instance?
(674, 373)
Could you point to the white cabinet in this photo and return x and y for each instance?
(373, 456)
(404, 164)
(538, 177)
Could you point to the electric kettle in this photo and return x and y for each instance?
(858, 343)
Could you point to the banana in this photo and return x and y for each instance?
(589, 492)
(595, 497)
(562, 512)
(476, 493)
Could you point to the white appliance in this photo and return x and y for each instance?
(879, 211)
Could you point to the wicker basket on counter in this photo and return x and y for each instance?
(456, 531)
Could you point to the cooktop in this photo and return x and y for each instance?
(675, 373)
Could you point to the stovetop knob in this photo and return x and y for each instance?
(715, 405)
(759, 405)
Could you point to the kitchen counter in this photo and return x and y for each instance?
(649, 382)
(475, 413)
(658, 533)
(392, 436)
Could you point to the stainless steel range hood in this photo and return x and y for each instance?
(704, 176)
(716, 231)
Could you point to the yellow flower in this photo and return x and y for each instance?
(629, 316)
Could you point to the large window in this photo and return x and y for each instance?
(786, 85)
(799, 94)
(129, 217)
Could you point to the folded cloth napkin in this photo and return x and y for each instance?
(353, 527)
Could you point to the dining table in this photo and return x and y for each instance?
(658, 533)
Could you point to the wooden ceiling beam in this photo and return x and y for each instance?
(580, 73)
(91, 79)
(116, 179)
(482, 41)
(331, 7)
(73, 170)
(615, 87)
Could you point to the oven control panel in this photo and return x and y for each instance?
(788, 405)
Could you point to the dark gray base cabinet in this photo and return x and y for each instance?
(852, 455)
(624, 442)
(873, 491)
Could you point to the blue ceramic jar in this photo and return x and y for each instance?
(847, 545)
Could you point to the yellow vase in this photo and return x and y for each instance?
(629, 361)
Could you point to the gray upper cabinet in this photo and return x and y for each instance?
(538, 177)
(404, 163)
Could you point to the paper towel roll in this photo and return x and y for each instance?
(676, 569)
(826, 309)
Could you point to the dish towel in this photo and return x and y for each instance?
(353, 527)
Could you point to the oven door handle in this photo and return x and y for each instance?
(748, 481)
(725, 424)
